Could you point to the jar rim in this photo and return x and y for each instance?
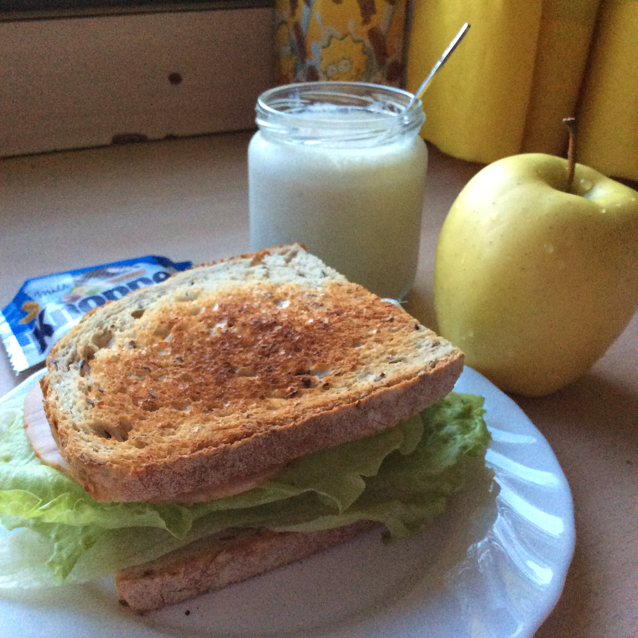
(320, 111)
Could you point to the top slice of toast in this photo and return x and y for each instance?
(209, 382)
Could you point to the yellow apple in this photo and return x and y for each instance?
(532, 282)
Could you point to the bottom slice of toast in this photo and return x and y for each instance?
(213, 562)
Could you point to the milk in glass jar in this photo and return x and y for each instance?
(339, 167)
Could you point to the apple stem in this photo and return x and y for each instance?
(570, 123)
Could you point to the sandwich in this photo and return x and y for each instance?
(234, 418)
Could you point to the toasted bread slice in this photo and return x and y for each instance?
(212, 563)
(210, 381)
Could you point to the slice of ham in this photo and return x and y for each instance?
(236, 487)
(38, 431)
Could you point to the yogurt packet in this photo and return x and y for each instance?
(46, 308)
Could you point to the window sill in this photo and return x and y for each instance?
(91, 81)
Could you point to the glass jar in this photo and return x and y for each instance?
(339, 167)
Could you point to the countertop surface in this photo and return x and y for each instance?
(188, 199)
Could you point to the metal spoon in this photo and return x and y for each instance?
(457, 38)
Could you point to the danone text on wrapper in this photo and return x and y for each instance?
(47, 307)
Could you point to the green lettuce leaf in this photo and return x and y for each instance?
(400, 477)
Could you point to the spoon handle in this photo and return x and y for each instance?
(457, 38)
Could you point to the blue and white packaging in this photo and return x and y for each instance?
(46, 308)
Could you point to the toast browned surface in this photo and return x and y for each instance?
(212, 380)
(212, 563)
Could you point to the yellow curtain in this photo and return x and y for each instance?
(608, 112)
(521, 69)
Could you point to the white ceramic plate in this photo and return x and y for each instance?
(492, 567)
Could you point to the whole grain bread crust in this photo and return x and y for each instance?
(212, 563)
(230, 370)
